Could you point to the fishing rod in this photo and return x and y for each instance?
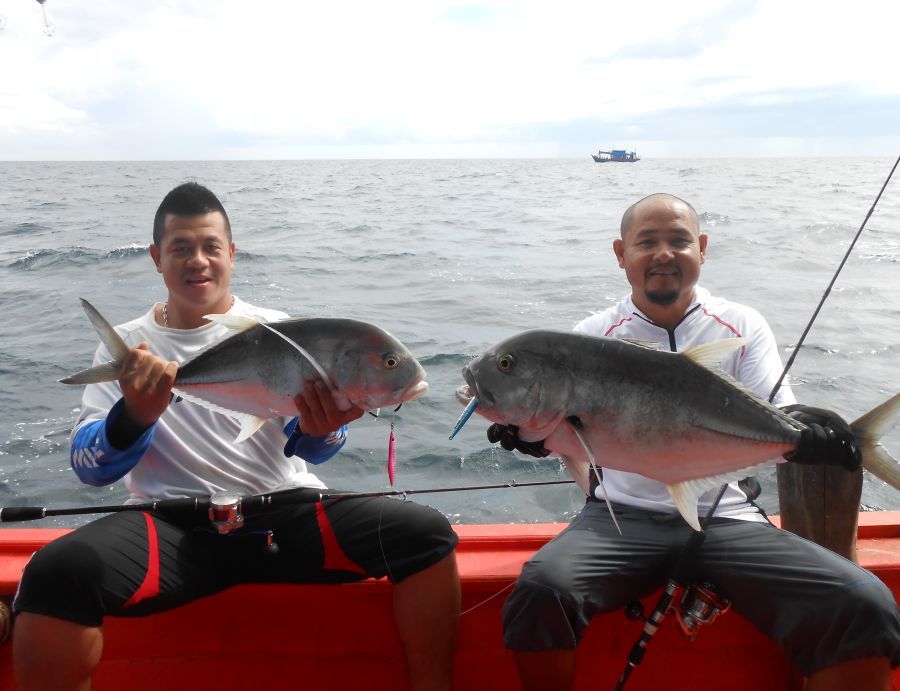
(219, 502)
(701, 603)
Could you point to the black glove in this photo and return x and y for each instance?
(827, 439)
(508, 436)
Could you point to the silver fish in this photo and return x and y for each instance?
(672, 417)
(255, 374)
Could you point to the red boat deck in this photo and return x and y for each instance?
(342, 637)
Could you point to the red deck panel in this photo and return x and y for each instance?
(279, 637)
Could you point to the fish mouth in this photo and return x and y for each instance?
(414, 391)
(471, 390)
(464, 394)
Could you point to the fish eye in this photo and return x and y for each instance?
(390, 360)
(506, 362)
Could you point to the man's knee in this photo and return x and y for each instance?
(60, 578)
(542, 613)
(862, 622)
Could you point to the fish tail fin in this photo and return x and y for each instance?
(114, 343)
(868, 431)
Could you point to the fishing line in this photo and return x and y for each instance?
(488, 598)
(300, 349)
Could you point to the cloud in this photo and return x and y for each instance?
(691, 38)
(191, 79)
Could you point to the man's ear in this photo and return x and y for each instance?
(231, 251)
(704, 238)
(154, 252)
(619, 249)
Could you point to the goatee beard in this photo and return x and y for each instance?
(663, 297)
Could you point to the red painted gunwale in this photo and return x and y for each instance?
(309, 637)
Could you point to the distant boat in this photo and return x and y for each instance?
(616, 156)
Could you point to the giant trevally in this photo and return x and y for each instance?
(254, 374)
(672, 417)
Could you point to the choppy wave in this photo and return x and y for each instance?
(50, 258)
(451, 256)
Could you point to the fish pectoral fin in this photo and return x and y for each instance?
(94, 375)
(602, 487)
(576, 424)
(709, 355)
(249, 425)
(686, 495)
(235, 322)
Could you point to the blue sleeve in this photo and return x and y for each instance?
(312, 449)
(95, 461)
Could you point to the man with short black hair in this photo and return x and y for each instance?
(133, 564)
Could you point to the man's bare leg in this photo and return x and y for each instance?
(553, 670)
(52, 654)
(426, 608)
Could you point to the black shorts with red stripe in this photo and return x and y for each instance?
(135, 563)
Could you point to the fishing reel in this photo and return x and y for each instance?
(225, 512)
(226, 516)
(699, 604)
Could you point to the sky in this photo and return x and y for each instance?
(289, 79)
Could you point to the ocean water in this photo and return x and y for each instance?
(451, 256)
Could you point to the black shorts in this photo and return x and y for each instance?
(135, 563)
(818, 607)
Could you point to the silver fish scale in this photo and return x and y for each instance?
(254, 354)
(641, 410)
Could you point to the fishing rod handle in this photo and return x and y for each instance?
(12, 514)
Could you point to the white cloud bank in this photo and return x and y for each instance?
(409, 78)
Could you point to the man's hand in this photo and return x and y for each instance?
(508, 436)
(146, 381)
(827, 439)
(319, 415)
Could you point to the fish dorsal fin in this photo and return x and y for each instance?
(687, 494)
(709, 355)
(235, 322)
(649, 345)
